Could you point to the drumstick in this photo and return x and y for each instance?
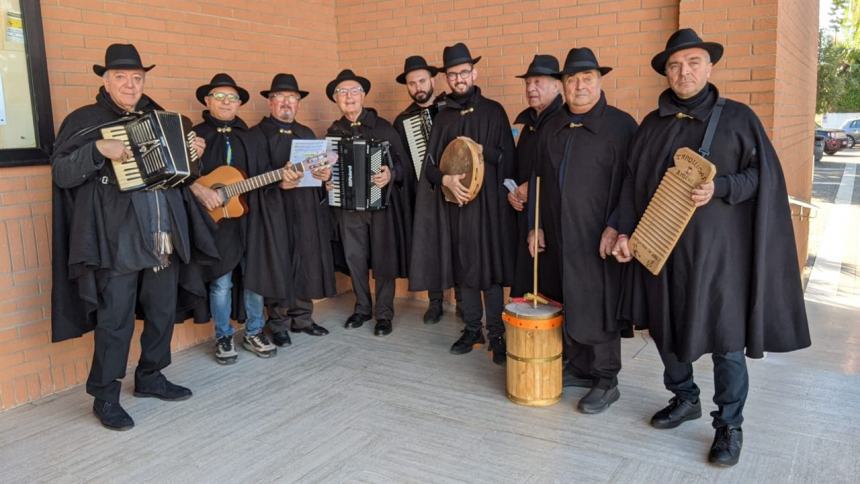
(536, 239)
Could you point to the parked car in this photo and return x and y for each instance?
(834, 139)
(852, 129)
(818, 150)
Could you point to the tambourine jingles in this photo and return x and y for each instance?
(463, 155)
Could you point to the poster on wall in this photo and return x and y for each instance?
(14, 28)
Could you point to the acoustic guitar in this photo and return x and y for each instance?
(231, 183)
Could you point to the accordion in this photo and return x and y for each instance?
(417, 128)
(358, 160)
(161, 148)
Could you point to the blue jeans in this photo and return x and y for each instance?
(220, 304)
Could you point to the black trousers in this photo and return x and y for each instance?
(156, 294)
(297, 316)
(731, 384)
(600, 362)
(355, 234)
(493, 305)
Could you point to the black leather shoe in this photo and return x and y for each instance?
(571, 379)
(470, 339)
(163, 390)
(382, 328)
(356, 321)
(433, 314)
(112, 415)
(726, 449)
(499, 349)
(677, 412)
(314, 330)
(281, 338)
(598, 399)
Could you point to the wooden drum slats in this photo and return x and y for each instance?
(669, 210)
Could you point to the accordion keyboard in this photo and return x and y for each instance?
(127, 173)
(416, 138)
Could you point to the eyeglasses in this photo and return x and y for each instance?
(462, 74)
(279, 97)
(222, 96)
(343, 91)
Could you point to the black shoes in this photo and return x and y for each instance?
(383, 327)
(469, 340)
(112, 415)
(726, 449)
(499, 349)
(598, 400)
(677, 412)
(434, 313)
(314, 330)
(161, 389)
(356, 321)
(281, 338)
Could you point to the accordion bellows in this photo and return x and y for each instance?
(669, 210)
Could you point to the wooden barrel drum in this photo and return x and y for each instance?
(534, 345)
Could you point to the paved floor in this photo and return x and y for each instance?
(351, 407)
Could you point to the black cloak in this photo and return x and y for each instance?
(390, 237)
(483, 236)
(92, 239)
(581, 161)
(732, 282)
(308, 216)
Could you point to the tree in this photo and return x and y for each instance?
(838, 57)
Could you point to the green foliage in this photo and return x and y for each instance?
(839, 60)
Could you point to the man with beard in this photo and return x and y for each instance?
(420, 81)
(470, 244)
(307, 215)
(732, 282)
(115, 250)
(382, 230)
(248, 253)
(543, 93)
(580, 158)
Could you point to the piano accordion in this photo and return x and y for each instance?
(162, 153)
(358, 160)
(669, 210)
(417, 128)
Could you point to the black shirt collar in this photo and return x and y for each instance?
(698, 106)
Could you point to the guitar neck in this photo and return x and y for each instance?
(253, 183)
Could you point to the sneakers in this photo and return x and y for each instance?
(225, 352)
(677, 412)
(726, 449)
(259, 345)
(112, 415)
(470, 339)
(499, 349)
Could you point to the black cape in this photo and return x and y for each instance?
(732, 282)
(527, 156)
(308, 216)
(581, 170)
(92, 238)
(390, 235)
(472, 246)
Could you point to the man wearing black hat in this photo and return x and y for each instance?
(468, 244)
(383, 230)
(543, 94)
(732, 283)
(113, 250)
(252, 254)
(308, 219)
(581, 157)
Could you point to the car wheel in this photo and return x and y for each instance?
(831, 153)
(851, 142)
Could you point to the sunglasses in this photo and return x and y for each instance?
(222, 96)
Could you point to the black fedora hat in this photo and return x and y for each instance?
(415, 63)
(579, 60)
(284, 82)
(120, 56)
(685, 39)
(457, 54)
(346, 75)
(221, 80)
(542, 65)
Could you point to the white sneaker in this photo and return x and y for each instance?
(225, 352)
(260, 345)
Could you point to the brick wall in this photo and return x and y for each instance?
(190, 40)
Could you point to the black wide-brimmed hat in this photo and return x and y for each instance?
(685, 39)
(579, 60)
(221, 80)
(457, 54)
(415, 63)
(120, 56)
(346, 75)
(284, 82)
(542, 65)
